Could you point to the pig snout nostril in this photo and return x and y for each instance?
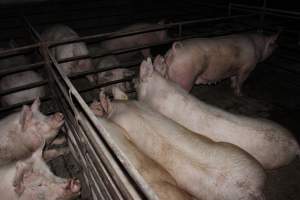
(75, 185)
(58, 116)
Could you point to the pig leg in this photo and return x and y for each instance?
(51, 154)
(233, 82)
(240, 79)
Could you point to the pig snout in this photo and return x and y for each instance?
(57, 120)
(73, 185)
(71, 188)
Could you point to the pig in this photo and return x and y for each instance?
(136, 40)
(271, 144)
(17, 80)
(204, 168)
(110, 75)
(162, 183)
(61, 32)
(23, 132)
(208, 60)
(32, 179)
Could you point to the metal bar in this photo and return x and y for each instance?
(269, 11)
(16, 51)
(115, 168)
(117, 34)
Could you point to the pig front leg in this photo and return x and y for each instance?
(233, 80)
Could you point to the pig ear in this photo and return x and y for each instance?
(119, 94)
(97, 109)
(105, 103)
(146, 69)
(25, 117)
(36, 105)
(176, 46)
(160, 65)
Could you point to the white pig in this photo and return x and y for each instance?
(63, 32)
(158, 179)
(204, 168)
(208, 60)
(32, 179)
(17, 80)
(23, 132)
(136, 40)
(271, 144)
(110, 75)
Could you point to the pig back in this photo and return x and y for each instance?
(158, 178)
(195, 162)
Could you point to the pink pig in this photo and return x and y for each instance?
(208, 60)
(31, 178)
(62, 32)
(23, 132)
(136, 40)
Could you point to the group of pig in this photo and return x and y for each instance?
(24, 173)
(185, 148)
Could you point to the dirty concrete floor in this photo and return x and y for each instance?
(264, 96)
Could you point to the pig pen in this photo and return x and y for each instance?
(272, 91)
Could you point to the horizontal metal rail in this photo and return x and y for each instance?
(268, 11)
